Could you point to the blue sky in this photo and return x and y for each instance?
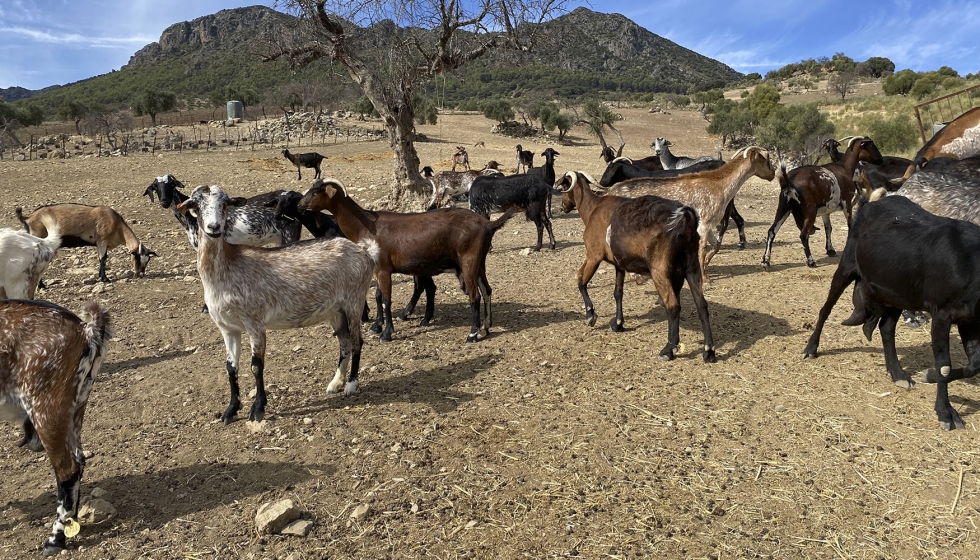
(47, 42)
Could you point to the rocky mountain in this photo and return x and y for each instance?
(15, 93)
(588, 52)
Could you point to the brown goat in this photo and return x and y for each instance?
(810, 191)
(425, 244)
(49, 359)
(708, 192)
(959, 139)
(461, 158)
(650, 236)
(81, 226)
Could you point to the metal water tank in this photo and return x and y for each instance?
(236, 110)
(936, 127)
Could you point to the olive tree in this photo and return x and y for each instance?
(432, 37)
(150, 102)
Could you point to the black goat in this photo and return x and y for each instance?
(309, 160)
(902, 257)
(527, 191)
(525, 158)
(285, 205)
(547, 172)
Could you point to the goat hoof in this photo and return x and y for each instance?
(52, 550)
(831, 253)
(256, 414)
(376, 328)
(810, 353)
(667, 353)
(424, 322)
(740, 246)
(351, 388)
(229, 416)
(470, 338)
(811, 263)
(709, 357)
(615, 326)
(385, 336)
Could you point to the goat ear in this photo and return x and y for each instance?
(237, 201)
(189, 205)
(150, 190)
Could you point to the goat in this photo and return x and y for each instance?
(253, 289)
(944, 194)
(622, 169)
(967, 167)
(648, 235)
(661, 147)
(309, 160)
(903, 257)
(454, 183)
(526, 191)
(320, 225)
(422, 245)
(459, 158)
(708, 192)
(48, 364)
(81, 226)
(960, 138)
(547, 173)
(253, 223)
(887, 175)
(23, 259)
(810, 191)
(525, 159)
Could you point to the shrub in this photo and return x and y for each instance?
(893, 135)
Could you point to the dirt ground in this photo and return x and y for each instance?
(549, 439)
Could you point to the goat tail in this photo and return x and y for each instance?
(97, 327)
(493, 226)
(787, 189)
(20, 216)
(371, 247)
(683, 220)
(878, 194)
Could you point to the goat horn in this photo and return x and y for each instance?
(626, 159)
(588, 178)
(573, 178)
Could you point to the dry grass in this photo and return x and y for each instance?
(549, 439)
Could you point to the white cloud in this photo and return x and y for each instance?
(76, 39)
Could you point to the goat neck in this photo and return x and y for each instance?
(356, 222)
(851, 156)
(582, 196)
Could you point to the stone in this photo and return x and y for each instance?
(360, 512)
(96, 510)
(273, 517)
(299, 528)
(98, 492)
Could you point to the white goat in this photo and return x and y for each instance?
(23, 259)
(48, 364)
(81, 226)
(252, 289)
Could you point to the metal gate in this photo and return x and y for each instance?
(943, 109)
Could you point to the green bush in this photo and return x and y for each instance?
(498, 110)
(893, 135)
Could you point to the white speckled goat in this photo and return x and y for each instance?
(48, 362)
(23, 258)
(253, 289)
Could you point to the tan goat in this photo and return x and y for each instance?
(82, 225)
(708, 192)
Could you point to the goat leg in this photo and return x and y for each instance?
(838, 284)
(430, 301)
(694, 283)
(585, 274)
(384, 286)
(103, 257)
(376, 326)
(233, 345)
(889, 320)
(257, 412)
(616, 324)
(31, 439)
(830, 243)
(68, 494)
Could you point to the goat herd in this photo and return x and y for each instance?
(661, 217)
